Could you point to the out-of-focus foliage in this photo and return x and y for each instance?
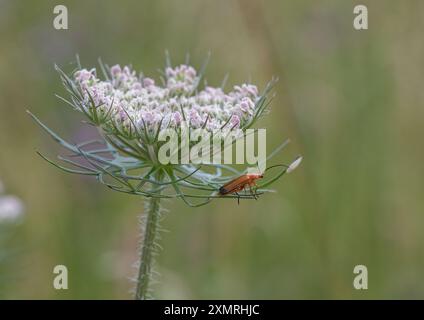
(351, 102)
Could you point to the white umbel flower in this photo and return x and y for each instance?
(11, 209)
(137, 101)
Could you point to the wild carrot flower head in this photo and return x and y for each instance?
(130, 110)
(130, 102)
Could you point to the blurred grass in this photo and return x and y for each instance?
(351, 103)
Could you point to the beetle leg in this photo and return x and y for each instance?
(255, 195)
(256, 190)
(251, 192)
(253, 184)
(238, 197)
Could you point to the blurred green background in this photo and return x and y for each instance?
(350, 101)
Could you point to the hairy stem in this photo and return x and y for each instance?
(149, 236)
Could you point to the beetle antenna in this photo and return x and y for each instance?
(277, 165)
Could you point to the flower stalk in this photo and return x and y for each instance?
(149, 234)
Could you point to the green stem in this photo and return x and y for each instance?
(149, 236)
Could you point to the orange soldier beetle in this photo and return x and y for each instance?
(249, 179)
(240, 184)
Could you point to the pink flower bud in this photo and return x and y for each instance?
(147, 82)
(115, 70)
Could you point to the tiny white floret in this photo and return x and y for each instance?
(294, 164)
